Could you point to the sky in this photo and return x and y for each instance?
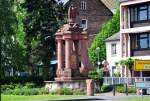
(64, 1)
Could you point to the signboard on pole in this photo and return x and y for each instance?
(142, 65)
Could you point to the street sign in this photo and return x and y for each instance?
(142, 85)
(142, 65)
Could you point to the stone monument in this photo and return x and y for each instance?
(71, 39)
(72, 67)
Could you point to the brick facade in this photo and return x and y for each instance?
(96, 14)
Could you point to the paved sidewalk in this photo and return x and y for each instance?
(102, 97)
(117, 97)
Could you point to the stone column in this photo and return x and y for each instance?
(121, 44)
(67, 53)
(129, 45)
(121, 17)
(125, 17)
(59, 54)
(84, 56)
(126, 45)
(76, 52)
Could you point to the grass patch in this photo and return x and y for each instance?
(38, 97)
(135, 99)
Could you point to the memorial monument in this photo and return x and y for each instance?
(72, 67)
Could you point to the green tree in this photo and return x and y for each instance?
(129, 63)
(12, 46)
(8, 24)
(111, 27)
(97, 74)
(20, 37)
(41, 23)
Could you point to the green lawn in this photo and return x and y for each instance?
(136, 99)
(39, 97)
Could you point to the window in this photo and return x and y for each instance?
(144, 40)
(83, 4)
(143, 13)
(113, 49)
(84, 23)
(140, 13)
(149, 40)
(149, 12)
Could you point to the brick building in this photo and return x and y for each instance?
(92, 14)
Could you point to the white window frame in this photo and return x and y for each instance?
(112, 51)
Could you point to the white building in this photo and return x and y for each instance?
(134, 37)
(113, 52)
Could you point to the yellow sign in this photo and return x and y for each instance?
(142, 65)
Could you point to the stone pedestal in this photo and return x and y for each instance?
(90, 87)
(72, 84)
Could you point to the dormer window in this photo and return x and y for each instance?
(83, 4)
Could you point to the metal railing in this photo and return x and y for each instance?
(124, 80)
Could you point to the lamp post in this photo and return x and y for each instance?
(98, 52)
(99, 64)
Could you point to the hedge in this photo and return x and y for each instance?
(22, 80)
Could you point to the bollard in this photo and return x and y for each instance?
(114, 90)
(90, 87)
(126, 89)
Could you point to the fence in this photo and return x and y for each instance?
(124, 80)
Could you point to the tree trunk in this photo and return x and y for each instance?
(131, 72)
(29, 57)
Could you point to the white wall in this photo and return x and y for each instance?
(112, 59)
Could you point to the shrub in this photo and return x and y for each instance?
(96, 74)
(17, 86)
(67, 91)
(59, 92)
(131, 89)
(43, 91)
(32, 91)
(121, 89)
(7, 87)
(26, 91)
(17, 79)
(29, 85)
(7, 92)
(78, 92)
(106, 88)
(64, 91)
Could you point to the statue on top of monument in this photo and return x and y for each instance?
(72, 14)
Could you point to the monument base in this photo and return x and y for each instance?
(70, 78)
(72, 84)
